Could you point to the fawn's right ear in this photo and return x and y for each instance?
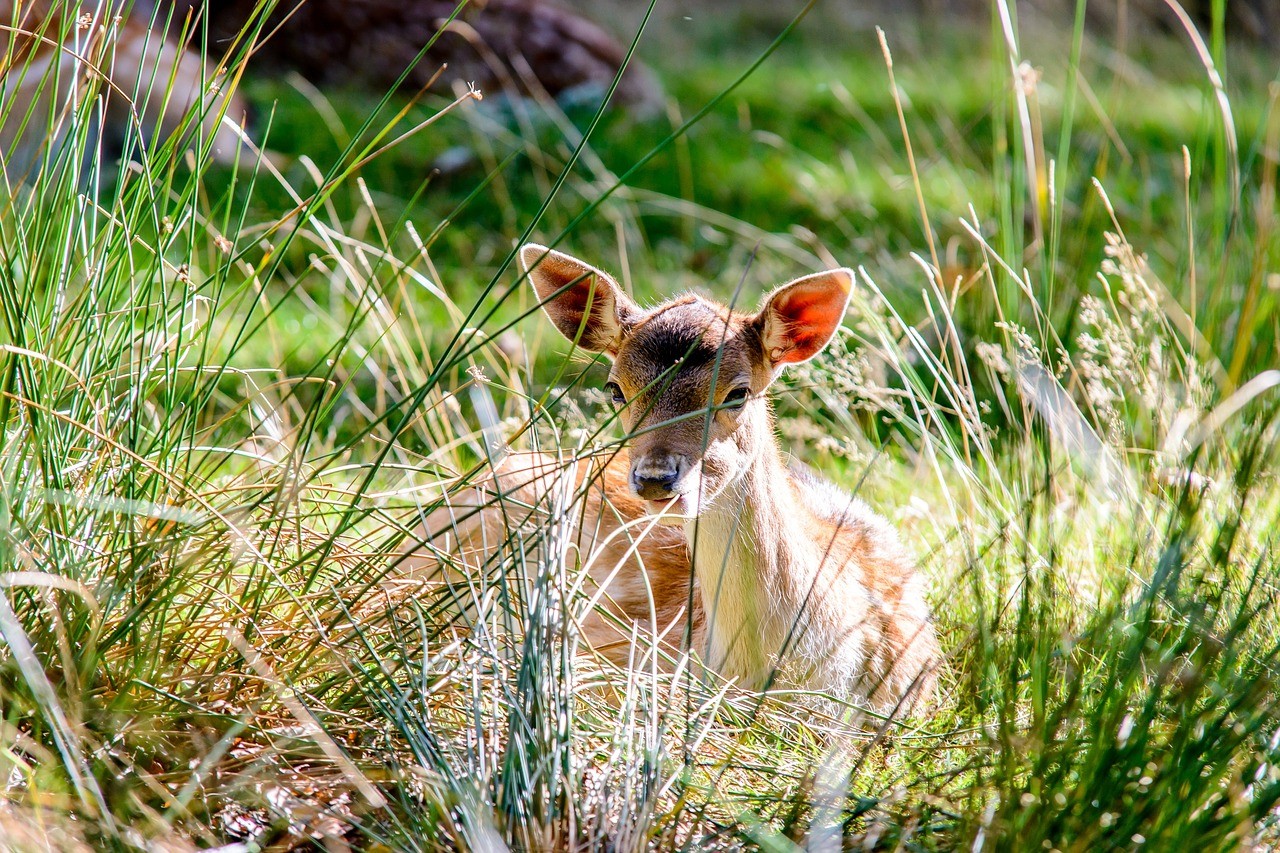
(586, 305)
(800, 318)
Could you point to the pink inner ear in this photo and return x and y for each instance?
(809, 314)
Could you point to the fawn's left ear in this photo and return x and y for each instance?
(800, 318)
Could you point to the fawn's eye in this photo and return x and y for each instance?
(615, 394)
(736, 398)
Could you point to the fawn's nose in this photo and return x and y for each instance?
(654, 477)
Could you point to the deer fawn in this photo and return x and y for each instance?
(789, 573)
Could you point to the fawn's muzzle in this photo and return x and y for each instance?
(654, 477)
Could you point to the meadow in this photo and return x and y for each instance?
(229, 398)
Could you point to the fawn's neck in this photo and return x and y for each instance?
(755, 560)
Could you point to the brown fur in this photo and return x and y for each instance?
(610, 529)
(793, 578)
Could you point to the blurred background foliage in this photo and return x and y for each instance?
(805, 161)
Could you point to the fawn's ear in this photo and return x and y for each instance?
(586, 305)
(799, 318)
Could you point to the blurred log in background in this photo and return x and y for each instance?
(528, 46)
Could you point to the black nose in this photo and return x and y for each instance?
(655, 478)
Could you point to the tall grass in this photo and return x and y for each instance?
(230, 400)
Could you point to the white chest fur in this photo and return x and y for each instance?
(770, 597)
(743, 637)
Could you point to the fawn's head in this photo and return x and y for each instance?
(688, 376)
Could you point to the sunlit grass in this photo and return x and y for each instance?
(229, 400)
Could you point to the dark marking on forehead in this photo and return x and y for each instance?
(687, 333)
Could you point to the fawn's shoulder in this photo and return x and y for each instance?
(854, 529)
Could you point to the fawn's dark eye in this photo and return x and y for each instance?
(736, 398)
(615, 394)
